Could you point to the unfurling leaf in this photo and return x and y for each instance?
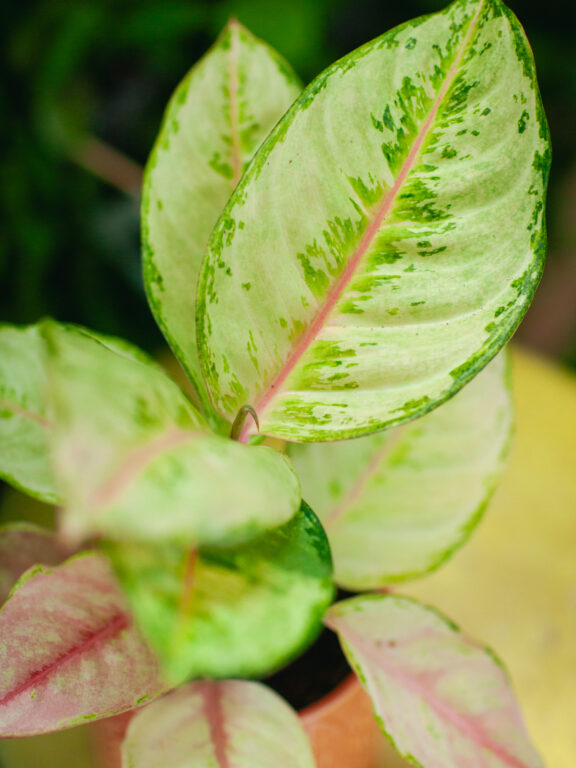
(227, 724)
(387, 238)
(136, 460)
(21, 546)
(396, 504)
(70, 652)
(24, 423)
(217, 118)
(230, 612)
(443, 701)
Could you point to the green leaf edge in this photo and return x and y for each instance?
(448, 622)
(470, 526)
(471, 367)
(47, 498)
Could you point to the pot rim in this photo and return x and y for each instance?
(332, 699)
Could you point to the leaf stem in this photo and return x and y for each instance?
(240, 420)
(189, 583)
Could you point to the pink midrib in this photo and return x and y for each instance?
(212, 705)
(136, 462)
(115, 625)
(357, 489)
(337, 289)
(460, 722)
(233, 86)
(19, 411)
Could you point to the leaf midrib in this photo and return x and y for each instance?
(460, 722)
(18, 410)
(371, 232)
(234, 118)
(211, 693)
(359, 485)
(136, 462)
(118, 622)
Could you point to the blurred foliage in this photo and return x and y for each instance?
(105, 68)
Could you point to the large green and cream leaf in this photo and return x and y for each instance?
(24, 422)
(217, 118)
(136, 460)
(70, 651)
(234, 723)
(442, 700)
(397, 503)
(237, 611)
(388, 236)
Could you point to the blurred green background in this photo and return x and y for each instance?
(86, 79)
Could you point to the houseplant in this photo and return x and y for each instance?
(377, 251)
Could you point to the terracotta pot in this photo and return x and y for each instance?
(341, 727)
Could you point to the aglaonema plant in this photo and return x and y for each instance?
(343, 261)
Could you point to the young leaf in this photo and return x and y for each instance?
(442, 700)
(69, 651)
(21, 546)
(397, 503)
(135, 459)
(217, 118)
(24, 424)
(388, 236)
(230, 612)
(227, 724)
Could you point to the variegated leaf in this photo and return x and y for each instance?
(21, 546)
(24, 424)
(388, 236)
(69, 651)
(136, 460)
(227, 724)
(217, 118)
(397, 503)
(230, 612)
(442, 700)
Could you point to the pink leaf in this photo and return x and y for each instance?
(444, 701)
(225, 724)
(22, 546)
(69, 651)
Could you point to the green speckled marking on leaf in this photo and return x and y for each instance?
(24, 425)
(250, 609)
(135, 459)
(393, 147)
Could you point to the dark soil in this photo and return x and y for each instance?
(312, 675)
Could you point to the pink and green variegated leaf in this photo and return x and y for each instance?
(442, 700)
(217, 118)
(388, 236)
(222, 612)
(69, 651)
(227, 724)
(136, 460)
(24, 423)
(21, 546)
(397, 503)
